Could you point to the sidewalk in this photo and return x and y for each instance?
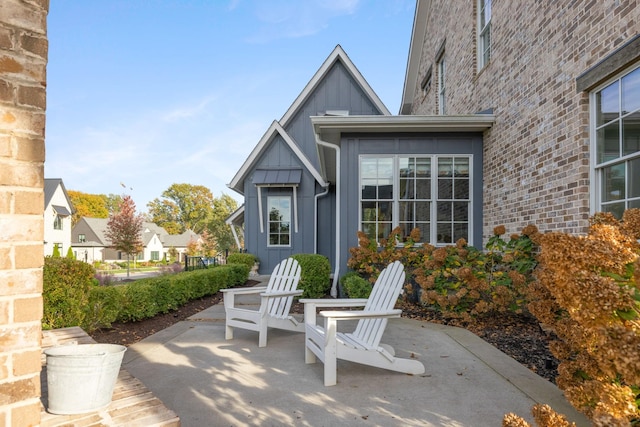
(209, 381)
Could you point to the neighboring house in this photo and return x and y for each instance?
(90, 243)
(180, 242)
(515, 114)
(57, 217)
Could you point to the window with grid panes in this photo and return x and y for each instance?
(428, 192)
(616, 141)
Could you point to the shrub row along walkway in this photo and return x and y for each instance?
(207, 380)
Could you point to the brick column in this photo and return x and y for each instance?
(23, 60)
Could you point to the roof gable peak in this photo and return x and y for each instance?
(338, 54)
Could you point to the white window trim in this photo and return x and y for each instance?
(294, 209)
(442, 70)
(595, 168)
(433, 226)
(294, 214)
(481, 32)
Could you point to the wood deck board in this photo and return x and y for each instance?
(132, 404)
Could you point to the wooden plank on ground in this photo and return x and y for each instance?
(133, 404)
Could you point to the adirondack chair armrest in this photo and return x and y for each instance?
(346, 315)
(279, 294)
(310, 305)
(335, 302)
(238, 291)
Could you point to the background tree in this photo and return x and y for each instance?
(87, 205)
(93, 205)
(193, 248)
(208, 244)
(182, 207)
(221, 234)
(124, 229)
(112, 202)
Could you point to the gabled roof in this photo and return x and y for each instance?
(149, 229)
(274, 130)
(338, 54)
(99, 227)
(180, 240)
(50, 187)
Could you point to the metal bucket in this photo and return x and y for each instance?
(81, 378)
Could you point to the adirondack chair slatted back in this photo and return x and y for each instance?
(285, 277)
(383, 297)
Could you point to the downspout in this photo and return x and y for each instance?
(336, 273)
(315, 217)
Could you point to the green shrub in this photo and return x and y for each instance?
(315, 275)
(104, 306)
(66, 286)
(355, 286)
(146, 298)
(458, 280)
(246, 259)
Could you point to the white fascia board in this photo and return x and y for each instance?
(235, 215)
(274, 129)
(415, 52)
(333, 126)
(248, 163)
(305, 161)
(337, 53)
(330, 128)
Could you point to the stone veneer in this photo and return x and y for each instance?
(536, 156)
(23, 61)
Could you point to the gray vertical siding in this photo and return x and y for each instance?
(337, 91)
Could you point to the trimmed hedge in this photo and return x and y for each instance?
(65, 292)
(315, 275)
(146, 298)
(355, 286)
(72, 297)
(242, 258)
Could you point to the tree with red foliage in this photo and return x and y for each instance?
(124, 229)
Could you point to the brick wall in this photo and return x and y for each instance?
(23, 60)
(536, 156)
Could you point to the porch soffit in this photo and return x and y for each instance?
(330, 129)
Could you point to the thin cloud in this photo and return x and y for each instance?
(286, 19)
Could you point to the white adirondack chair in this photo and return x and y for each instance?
(275, 304)
(363, 345)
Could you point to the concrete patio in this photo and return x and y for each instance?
(208, 381)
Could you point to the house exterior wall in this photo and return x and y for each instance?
(91, 250)
(353, 146)
(154, 245)
(23, 60)
(336, 91)
(536, 156)
(51, 235)
(279, 155)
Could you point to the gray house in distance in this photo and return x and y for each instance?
(338, 162)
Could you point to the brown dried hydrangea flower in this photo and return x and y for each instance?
(631, 222)
(499, 230)
(530, 230)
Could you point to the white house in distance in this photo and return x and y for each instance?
(90, 244)
(57, 217)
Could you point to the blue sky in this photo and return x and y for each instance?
(148, 93)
